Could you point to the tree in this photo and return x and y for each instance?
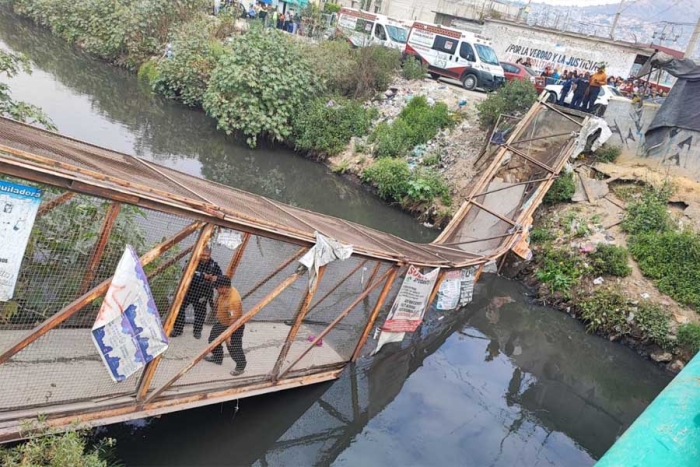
(11, 65)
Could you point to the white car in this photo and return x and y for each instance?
(607, 93)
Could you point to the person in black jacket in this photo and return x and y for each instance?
(200, 292)
(580, 91)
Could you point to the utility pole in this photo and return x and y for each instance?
(617, 17)
(694, 38)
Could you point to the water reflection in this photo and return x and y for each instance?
(95, 102)
(503, 383)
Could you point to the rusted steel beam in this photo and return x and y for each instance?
(298, 319)
(92, 414)
(375, 312)
(170, 262)
(183, 286)
(511, 186)
(98, 250)
(551, 107)
(335, 287)
(57, 201)
(529, 158)
(337, 320)
(541, 137)
(484, 208)
(265, 280)
(237, 256)
(478, 240)
(373, 274)
(79, 303)
(227, 333)
(478, 273)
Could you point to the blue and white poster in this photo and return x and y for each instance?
(128, 331)
(18, 207)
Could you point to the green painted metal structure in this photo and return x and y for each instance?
(667, 434)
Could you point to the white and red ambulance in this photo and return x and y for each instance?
(456, 54)
(362, 28)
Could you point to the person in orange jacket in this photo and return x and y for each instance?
(598, 79)
(228, 310)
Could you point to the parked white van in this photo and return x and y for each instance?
(456, 54)
(362, 28)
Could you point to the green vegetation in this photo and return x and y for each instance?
(418, 123)
(689, 337)
(325, 126)
(672, 260)
(390, 177)
(124, 32)
(394, 180)
(431, 160)
(654, 324)
(561, 269)
(610, 260)
(414, 69)
(649, 214)
(259, 98)
(11, 65)
(331, 8)
(57, 450)
(357, 73)
(606, 312)
(561, 190)
(195, 51)
(609, 312)
(607, 153)
(539, 235)
(515, 98)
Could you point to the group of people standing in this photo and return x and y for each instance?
(227, 307)
(586, 87)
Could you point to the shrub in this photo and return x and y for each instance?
(57, 450)
(671, 259)
(414, 69)
(148, 72)
(185, 75)
(353, 72)
(515, 98)
(325, 126)
(654, 323)
(610, 260)
(560, 269)
(431, 160)
(606, 312)
(331, 8)
(427, 184)
(124, 32)
(608, 153)
(689, 337)
(417, 123)
(561, 190)
(255, 96)
(390, 176)
(650, 213)
(540, 235)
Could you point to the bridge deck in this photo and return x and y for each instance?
(48, 363)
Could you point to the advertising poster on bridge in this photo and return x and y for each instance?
(128, 332)
(409, 307)
(456, 289)
(18, 207)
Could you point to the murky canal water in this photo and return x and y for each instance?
(501, 383)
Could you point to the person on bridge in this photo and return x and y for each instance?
(200, 292)
(228, 310)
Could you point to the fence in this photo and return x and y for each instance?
(97, 201)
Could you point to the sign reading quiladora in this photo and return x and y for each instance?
(18, 207)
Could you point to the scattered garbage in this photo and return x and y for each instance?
(645, 296)
(598, 280)
(311, 339)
